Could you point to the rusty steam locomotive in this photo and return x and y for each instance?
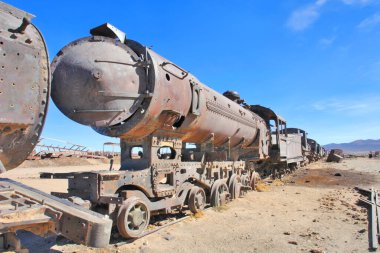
(182, 143)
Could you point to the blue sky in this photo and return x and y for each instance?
(316, 63)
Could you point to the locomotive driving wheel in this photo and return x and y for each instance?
(245, 181)
(234, 186)
(197, 199)
(219, 193)
(133, 218)
(255, 178)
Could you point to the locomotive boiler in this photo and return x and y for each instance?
(126, 90)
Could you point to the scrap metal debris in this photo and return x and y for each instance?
(335, 155)
(372, 204)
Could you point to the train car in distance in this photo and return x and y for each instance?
(316, 151)
(305, 145)
(286, 149)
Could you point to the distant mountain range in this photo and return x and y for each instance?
(356, 146)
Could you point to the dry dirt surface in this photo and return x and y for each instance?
(315, 211)
(63, 161)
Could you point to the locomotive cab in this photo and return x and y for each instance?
(285, 148)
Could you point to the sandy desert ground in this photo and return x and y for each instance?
(315, 210)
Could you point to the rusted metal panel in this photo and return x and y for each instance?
(24, 93)
(294, 148)
(24, 85)
(305, 145)
(41, 213)
(303, 133)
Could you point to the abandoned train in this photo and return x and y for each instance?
(182, 143)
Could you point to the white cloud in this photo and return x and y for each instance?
(360, 2)
(350, 106)
(370, 21)
(326, 42)
(302, 18)
(320, 2)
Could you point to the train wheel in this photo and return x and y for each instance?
(197, 199)
(245, 180)
(234, 186)
(276, 173)
(133, 218)
(219, 193)
(255, 178)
